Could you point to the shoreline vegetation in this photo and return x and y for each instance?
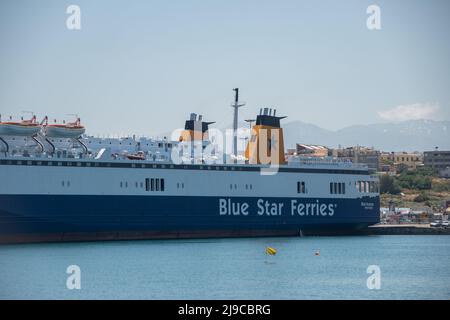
(416, 189)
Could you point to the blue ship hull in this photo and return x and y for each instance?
(30, 218)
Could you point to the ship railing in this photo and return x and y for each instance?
(325, 161)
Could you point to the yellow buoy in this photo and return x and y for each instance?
(271, 251)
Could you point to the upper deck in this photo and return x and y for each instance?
(103, 153)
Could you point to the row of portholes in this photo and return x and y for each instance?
(136, 184)
(235, 186)
(65, 183)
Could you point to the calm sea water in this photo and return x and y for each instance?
(412, 267)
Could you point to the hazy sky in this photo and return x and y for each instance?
(142, 66)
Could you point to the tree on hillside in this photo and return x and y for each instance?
(414, 180)
(388, 185)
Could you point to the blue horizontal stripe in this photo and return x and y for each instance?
(97, 213)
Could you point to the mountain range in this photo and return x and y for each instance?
(414, 135)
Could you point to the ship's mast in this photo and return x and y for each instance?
(236, 105)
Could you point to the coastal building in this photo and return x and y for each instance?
(363, 155)
(396, 161)
(439, 160)
(408, 160)
(311, 150)
(386, 163)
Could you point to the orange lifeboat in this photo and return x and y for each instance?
(65, 130)
(26, 128)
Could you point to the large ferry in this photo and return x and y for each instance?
(58, 184)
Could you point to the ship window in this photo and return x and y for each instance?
(62, 183)
(301, 187)
(136, 184)
(121, 184)
(178, 185)
(182, 186)
(142, 185)
(337, 187)
(373, 186)
(154, 184)
(68, 183)
(363, 186)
